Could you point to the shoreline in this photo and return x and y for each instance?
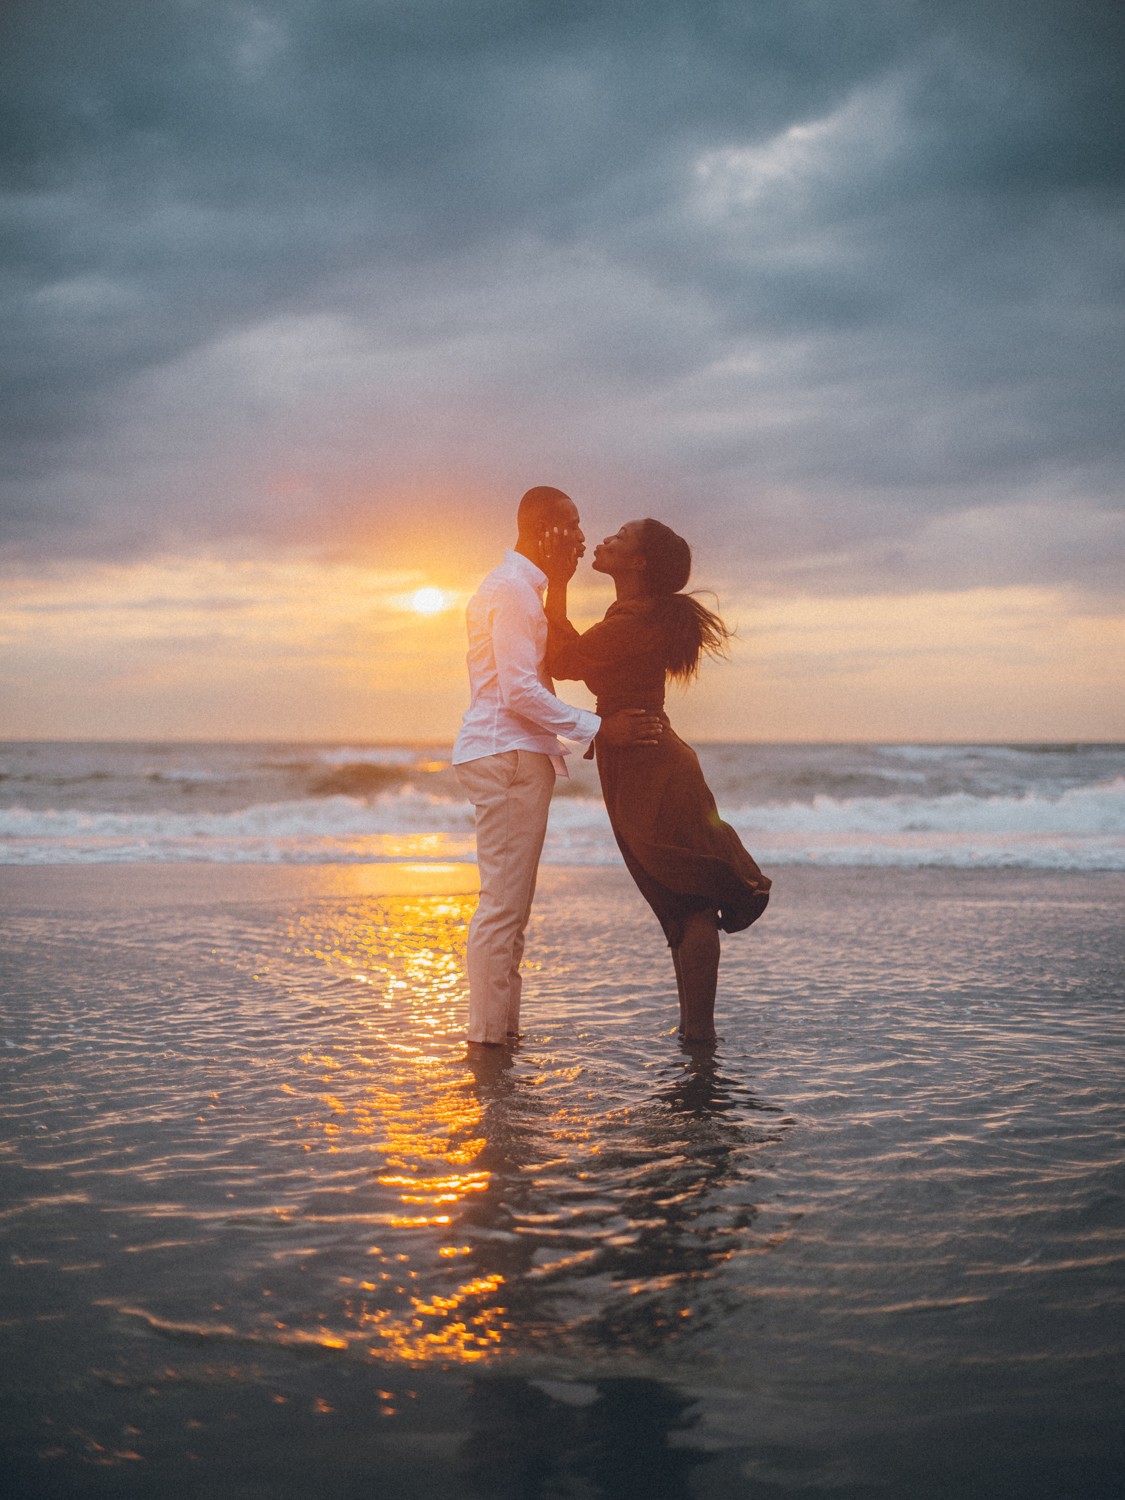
(266, 880)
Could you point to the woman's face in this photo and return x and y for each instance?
(621, 552)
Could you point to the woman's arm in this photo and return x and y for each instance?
(606, 646)
(555, 603)
(564, 658)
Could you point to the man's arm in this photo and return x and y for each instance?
(517, 670)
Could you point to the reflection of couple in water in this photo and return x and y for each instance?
(687, 863)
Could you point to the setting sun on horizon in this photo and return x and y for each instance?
(295, 647)
(428, 601)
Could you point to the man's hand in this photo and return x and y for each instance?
(558, 554)
(632, 726)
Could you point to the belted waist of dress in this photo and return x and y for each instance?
(607, 706)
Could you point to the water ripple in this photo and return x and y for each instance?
(251, 1125)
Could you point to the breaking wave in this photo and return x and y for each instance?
(386, 818)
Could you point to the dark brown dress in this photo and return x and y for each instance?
(683, 857)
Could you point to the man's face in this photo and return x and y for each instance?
(565, 518)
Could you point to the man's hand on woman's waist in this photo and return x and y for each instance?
(632, 726)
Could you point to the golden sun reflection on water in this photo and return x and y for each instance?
(417, 1115)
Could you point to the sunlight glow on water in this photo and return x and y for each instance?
(242, 1126)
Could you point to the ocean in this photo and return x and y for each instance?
(1055, 807)
(270, 1230)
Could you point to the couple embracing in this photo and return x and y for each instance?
(689, 865)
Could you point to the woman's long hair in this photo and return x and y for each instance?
(690, 628)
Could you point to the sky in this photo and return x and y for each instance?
(300, 296)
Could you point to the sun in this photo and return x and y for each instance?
(427, 601)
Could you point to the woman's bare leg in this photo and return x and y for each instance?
(697, 973)
(675, 952)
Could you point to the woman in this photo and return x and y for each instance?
(689, 865)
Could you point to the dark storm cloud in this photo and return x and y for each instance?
(850, 272)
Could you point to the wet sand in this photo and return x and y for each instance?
(269, 1232)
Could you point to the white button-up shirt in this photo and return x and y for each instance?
(512, 705)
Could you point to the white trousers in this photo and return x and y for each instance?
(511, 793)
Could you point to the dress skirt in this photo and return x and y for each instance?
(681, 854)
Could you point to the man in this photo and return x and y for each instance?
(508, 753)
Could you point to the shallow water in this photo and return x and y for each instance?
(270, 1232)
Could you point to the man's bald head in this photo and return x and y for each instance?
(543, 505)
(545, 509)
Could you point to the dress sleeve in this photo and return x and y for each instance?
(573, 656)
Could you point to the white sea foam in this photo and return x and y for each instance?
(1079, 810)
(1080, 828)
(406, 811)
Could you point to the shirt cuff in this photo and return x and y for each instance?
(585, 730)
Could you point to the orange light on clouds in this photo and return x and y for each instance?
(965, 664)
(286, 647)
(301, 648)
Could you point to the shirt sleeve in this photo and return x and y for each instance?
(517, 670)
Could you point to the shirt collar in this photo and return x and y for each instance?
(526, 569)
